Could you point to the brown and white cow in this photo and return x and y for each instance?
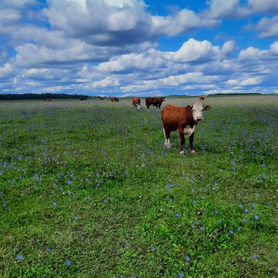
(136, 102)
(183, 119)
(155, 101)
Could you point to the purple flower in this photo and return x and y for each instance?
(178, 215)
(68, 263)
(246, 211)
(245, 220)
(202, 228)
(181, 275)
(20, 258)
(187, 259)
(49, 250)
(256, 218)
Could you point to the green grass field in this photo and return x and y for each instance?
(87, 190)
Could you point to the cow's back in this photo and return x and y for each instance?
(136, 100)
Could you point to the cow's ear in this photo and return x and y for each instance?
(207, 108)
(189, 107)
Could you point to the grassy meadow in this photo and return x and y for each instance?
(88, 190)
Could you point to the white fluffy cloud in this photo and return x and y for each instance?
(252, 53)
(191, 51)
(234, 9)
(194, 50)
(6, 69)
(182, 21)
(9, 16)
(267, 27)
(245, 82)
(119, 22)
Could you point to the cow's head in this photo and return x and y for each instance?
(163, 99)
(198, 108)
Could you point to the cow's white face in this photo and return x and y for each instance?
(197, 111)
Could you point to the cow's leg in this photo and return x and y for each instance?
(166, 133)
(191, 140)
(182, 141)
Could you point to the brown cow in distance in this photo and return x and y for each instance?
(136, 102)
(155, 101)
(114, 99)
(183, 119)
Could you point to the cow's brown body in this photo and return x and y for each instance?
(155, 101)
(178, 118)
(136, 102)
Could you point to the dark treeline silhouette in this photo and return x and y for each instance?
(234, 94)
(41, 96)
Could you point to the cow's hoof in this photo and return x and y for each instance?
(181, 152)
(193, 151)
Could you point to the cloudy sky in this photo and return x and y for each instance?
(138, 48)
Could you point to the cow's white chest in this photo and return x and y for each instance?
(189, 130)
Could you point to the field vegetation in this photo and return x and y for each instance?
(88, 190)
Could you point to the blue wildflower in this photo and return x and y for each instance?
(256, 218)
(245, 220)
(246, 211)
(202, 228)
(68, 263)
(20, 258)
(231, 232)
(49, 250)
(181, 275)
(187, 259)
(153, 249)
(178, 215)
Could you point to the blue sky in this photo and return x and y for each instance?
(138, 48)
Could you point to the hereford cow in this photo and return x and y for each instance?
(114, 99)
(136, 102)
(183, 119)
(155, 101)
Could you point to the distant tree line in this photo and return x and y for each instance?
(41, 96)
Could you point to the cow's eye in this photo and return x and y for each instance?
(203, 109)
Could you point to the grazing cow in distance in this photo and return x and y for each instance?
(114, 99)
(155, 101)
(136, 102)
(183, 119)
